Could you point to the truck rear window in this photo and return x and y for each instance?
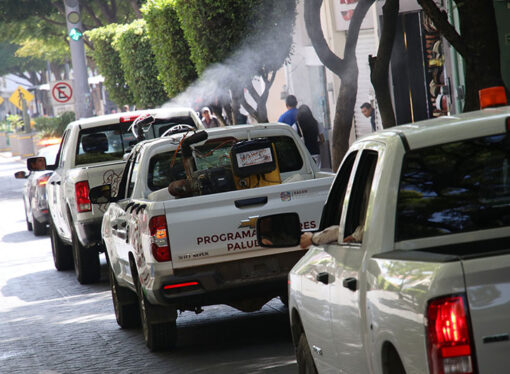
(455, 187)
(165, 168)
(104, 143)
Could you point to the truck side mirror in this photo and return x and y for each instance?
(101, 194)
(279, 230)
(20, 175)
(36, 163)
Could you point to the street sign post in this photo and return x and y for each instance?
(59, 109)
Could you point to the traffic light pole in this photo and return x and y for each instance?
(83, 107)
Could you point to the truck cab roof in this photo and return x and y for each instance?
(448, 128)
(160, 113)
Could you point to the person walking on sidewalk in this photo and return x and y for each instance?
(368, 111)
(308, 128)
(207, 119)
(289, 117)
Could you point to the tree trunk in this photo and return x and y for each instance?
(478, 29)
(136, 8)
(346, 69)
(379, 65)
(344, 113)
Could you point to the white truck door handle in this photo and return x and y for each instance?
(323, 277)
(350, 283)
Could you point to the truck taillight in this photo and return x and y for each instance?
(448, 339)
(82, 197)
(159, 234)
(492, 97)
(43, 181)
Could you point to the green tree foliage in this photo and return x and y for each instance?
(213, 28)
(95, 13)
(170, 48)
(237, 41)
(138, 63)
(108, 63)
(22, 67)
(22, 9)
(53, 126)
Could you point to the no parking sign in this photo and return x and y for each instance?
(62, 92)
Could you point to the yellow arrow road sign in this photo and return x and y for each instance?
(18, 95)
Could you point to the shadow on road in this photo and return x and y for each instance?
(21, 236)
(236, 328)
(74, 329)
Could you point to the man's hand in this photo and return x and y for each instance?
(306, 240)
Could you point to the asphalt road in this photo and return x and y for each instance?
(50, 324)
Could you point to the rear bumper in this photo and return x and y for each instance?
(41, 215)
(89, 232)
(228, 282)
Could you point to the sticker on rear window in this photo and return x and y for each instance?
(255, 157)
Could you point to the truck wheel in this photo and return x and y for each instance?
(124, 303)
(39, 228)
(62, 254)
(304, 357)
(86, 262)
(158, 335)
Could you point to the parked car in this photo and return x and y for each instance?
(34, 193)
(416, 278)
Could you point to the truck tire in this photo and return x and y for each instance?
(304, 357)
(62, 254)
(160, 335)
(39, 228)
(125, 303)
(86, 262)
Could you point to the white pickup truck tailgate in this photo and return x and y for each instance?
(213, 228)
(96, 175)
(488, 291)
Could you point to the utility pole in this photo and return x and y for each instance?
(83, 107)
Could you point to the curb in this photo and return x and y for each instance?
(8, 155)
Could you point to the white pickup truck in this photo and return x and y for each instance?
(426, 286)
(91, 154)
(180, 230)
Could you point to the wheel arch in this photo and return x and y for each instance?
(390, 359)
(296, 326)
(134, 269)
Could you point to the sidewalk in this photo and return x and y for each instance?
(6, 154)
(9, 155)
